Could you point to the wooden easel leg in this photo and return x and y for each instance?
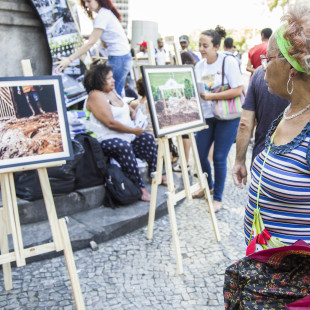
(4, 247)
(50, 207)
(76, 289)
(204, 185)
(170, 204)
(9, 213)
(156, 179)
(16, 219)
(175, 235)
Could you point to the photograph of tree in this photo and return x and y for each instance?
(33, 123)
(173, 98)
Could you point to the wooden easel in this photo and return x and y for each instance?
(10, 224)
(172, 197)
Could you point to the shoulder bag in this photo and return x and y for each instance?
(227, 109)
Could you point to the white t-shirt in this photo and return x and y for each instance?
(142, 55)
(120, 114)
(211, 76)
(113, 34)
(160, 56)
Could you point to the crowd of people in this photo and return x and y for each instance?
(276, 111)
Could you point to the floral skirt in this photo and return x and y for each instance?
(269, 279)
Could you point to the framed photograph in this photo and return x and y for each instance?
(33, 121)
(173, 98)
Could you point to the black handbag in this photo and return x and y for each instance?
(121, 189)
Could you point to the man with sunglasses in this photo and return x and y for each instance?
(260, 49)
(260, 108)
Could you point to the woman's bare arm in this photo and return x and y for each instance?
(99, 106)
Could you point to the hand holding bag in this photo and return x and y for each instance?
(227, 109)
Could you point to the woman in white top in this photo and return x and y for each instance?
(107, 28)
(222, 132)
(111, 120)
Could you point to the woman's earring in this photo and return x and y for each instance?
(288, 82)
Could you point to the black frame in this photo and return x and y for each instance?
(169, 71)
(52, 95)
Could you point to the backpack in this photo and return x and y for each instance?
(91, 170)
(61, 178)
(122, 189)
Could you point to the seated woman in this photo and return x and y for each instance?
(112, 123)
(279, 194)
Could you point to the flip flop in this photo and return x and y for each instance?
(218, 209)
(198, 194)
(201, 194)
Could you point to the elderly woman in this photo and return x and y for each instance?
(279, 195)
(284, 195)
(112, 122)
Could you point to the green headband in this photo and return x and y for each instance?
(284, 46)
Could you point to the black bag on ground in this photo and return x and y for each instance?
(91, 170)
(61, 178)
(121, 189)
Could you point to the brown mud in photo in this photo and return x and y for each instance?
(28, 136)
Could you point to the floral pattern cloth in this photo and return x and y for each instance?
(268, 282)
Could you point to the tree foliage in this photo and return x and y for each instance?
(275, 3)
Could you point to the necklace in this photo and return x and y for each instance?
(294, 115)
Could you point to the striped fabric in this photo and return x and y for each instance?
(285, 189)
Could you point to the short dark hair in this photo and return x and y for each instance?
(267, 32)
(187, 58)
(229, 43)
(140, 87)
(95, 77)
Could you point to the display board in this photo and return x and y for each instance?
(63, 38)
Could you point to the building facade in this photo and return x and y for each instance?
(123, 7)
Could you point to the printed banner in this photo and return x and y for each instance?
(64, 38)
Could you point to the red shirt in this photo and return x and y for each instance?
(255, 52)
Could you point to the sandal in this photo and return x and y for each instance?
(217, 206)
(145, 195)
(200, 193)
(177, 168)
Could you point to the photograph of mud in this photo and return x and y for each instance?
(174, 98)
(29, 122)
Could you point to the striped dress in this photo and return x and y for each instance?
(285, 189)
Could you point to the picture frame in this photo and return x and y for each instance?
(33, 121)
(173, 98)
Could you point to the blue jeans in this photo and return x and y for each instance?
(223, 133)
(121, 66)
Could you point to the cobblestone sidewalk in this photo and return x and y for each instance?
(131, 272)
